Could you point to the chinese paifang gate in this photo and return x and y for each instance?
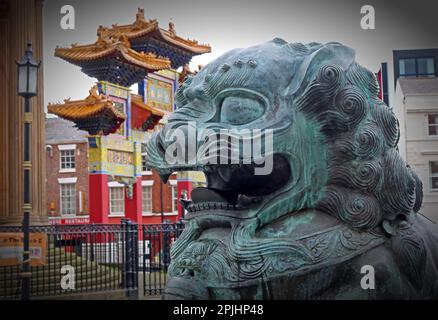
(119, 122)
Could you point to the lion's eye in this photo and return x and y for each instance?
(240, 110)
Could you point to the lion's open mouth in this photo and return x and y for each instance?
(236, 187)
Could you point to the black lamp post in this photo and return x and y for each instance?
(161, 201)
(27, 88)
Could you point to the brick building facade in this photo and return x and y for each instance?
(67, 178)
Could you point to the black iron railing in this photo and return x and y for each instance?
(79, 258)
(155, 245)
(98, 257)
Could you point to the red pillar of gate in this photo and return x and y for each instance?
(133, 210)
(98, 198)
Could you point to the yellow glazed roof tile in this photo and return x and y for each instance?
(106, 46)
(91, 106)
(141, 28)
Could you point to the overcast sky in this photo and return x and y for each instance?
(226, 24)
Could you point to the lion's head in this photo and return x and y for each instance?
(334, 142)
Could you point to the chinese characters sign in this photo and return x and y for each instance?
(120, 157)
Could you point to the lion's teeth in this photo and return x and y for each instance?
(244, 201)
(212, 205)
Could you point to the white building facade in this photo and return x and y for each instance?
(416, 106)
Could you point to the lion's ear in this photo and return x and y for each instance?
(332, 53)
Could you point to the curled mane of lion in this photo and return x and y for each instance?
(368, 180)
(339, 197)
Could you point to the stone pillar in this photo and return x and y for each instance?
(20, 22)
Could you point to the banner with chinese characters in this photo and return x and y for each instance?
(11, 248)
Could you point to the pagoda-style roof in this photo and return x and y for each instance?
(95, 114)
(113, 60)
(144, 116)
(147, 36)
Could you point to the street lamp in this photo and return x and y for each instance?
(28, 74)
(27, 88)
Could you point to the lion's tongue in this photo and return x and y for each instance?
(203, 194)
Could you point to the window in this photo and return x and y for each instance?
(68, 198)
(432, 121)
(174, 198)
(117, 200)
(426, 66)
(146, 198)
(67, 159)
(433, 175)
(407, 67)
(415, 67)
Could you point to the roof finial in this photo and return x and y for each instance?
(140, 15)
(172, 30)
(102, 36)
(93, 93)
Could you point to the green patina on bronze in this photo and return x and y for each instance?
(339, 196)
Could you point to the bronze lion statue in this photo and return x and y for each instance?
(335, 217)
